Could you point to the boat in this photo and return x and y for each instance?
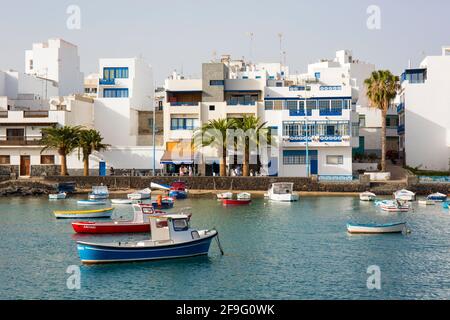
(367, 196)
(396, 227)
(57, 196)
(99, 192)
(426, 202)
(158, 186)
(236, 202)
(121, 201)
(445, 205)
(224, 195)
(171, 237)
(405, 195)
(244, 196)
(163, 203)
(76, 214)
(282, 192)
(437, 197)
(393, 205)
(178, 190)
(140, 195)
(91, 202)
(139, 223)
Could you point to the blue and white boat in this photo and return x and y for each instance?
(395, 227)
(91, 202)
(171, 237)
(158, 186)
(437, 197)
(99, 192)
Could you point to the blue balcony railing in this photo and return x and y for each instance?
(300, 113)
(310, 139)
(184, 104)
(299, 139)
(331, 112)
(107, 82)
(401, 129)
(241, 103)
(400, 107)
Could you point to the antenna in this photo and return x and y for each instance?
(251, 36)
(280, 36)
(214, 56)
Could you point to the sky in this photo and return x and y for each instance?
(181, 34)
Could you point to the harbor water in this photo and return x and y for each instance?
(272, 251)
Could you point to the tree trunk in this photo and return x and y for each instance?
(63, 165)
(86, 166)
(383, 139)
(246, 165)
(223, 163)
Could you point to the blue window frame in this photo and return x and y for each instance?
(115, 93)
(317, 75)
(217, 82)
(183, 123)
(115, 73)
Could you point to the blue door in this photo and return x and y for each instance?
(102, 168)
(313, 162)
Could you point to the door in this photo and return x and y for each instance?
(313, 162)
(25, 166)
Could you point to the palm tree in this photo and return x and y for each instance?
(252, 126)
(63, 139)
(382, 88)
(214, 134)
(90, 141)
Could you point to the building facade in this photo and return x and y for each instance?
(424, 114)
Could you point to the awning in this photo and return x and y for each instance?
(178, 153)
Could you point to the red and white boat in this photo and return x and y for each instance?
(140, 222)
(236, 202)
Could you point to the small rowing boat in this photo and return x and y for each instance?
(224, 195)
(121, 201)
(91, 202)
(244, 196)
(437, 197)
(140, 195)
(396, 227)
(404, 195)
(99, 192)
(392, 205)
(57, 196)
(236, 202)
(76, 214)
(367, 196)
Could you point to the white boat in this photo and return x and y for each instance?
(141, 195)
(83, 214)
(158, 186)
(57, 196)
(405, 195)
(367, 196)
(376, 228)
(282, 192)
(244, 196)
(437, 197)
(426, 202)
(91, 202)
(99, 192)
(121, 201)
(393, 205)
(225, 195)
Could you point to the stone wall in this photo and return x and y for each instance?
(45, 170)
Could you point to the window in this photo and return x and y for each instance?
(180, 225)
(15, 134)
(31, 64)
(115, 73)
(212, 108)
(47, 159)
(183, 124)
(294, 157)
(335, 160)
(150, 123)
(362, 120)
(317, 75)
(291, 105)
(5, 159)
(268, 104)
(115, 93)
(217, 82)
(279, 84)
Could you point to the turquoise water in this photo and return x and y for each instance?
(272, 251)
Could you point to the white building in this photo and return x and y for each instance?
(57, 60)
(424, 112)
(231, 89)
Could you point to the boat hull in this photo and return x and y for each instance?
(164, 205)
(232, 202)
(98, 254)
(98, 196)
(102, 213)
(437, 198)
(283, 197)
(178, 194)
(121, 201)
(91, 202)
(110, 228)
(387, 228)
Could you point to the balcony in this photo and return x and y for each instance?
(4, 114)
(241, 103)
(107, 82)
(400, 107)
(318, 139)
(184, 104)
(35, 114)
(18, 141)
(331, 112)
(300, 113)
